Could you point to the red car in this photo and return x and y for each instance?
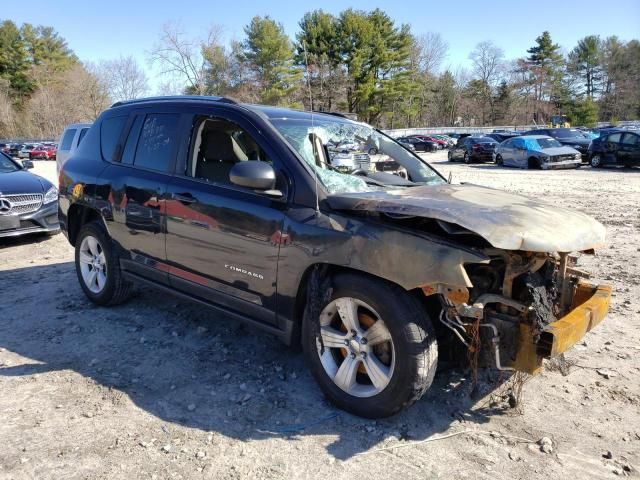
(43, 152)
(441, 143)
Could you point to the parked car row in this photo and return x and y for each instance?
(427, 143)
(550, 148)
(31, 151)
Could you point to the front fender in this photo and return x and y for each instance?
(409, 259)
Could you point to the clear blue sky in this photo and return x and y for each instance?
(110, 28)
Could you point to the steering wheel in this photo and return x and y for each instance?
(360, 172)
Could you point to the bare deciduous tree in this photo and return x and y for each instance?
(433, 51)
(188, 59)
(75, 95)
(7, 112)
(123, 77)
(487, 59)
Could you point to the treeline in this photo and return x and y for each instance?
(44, 86)
(359, 62)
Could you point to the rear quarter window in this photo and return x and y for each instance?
(110, 130)
(67, 139)
(83, 132)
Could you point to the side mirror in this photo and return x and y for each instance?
(255, 175)
(27, 164)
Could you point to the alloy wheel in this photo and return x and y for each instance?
(358, 352)
(93, 264)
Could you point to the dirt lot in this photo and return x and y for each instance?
(157, 388)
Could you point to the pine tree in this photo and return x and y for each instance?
(14, 60)
(270, 52)
(545, 63)
(585, 60)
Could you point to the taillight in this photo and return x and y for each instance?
(476, 146)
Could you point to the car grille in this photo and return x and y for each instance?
(362, 161)
(562, 158)
(20, 204)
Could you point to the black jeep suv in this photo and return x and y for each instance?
(238, 208)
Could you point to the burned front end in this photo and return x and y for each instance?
(525, 300)
(523, 307)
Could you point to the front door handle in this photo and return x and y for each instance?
(184, 198)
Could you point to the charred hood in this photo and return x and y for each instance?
(505, 220)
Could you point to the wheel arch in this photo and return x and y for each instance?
(329, 270)
(79, 215)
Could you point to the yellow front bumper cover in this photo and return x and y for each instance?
(589, 307)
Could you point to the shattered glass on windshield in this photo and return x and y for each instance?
(351, 153)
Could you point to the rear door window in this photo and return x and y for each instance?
(614, 138)
(110, 131)
(158, 139)
(631, 139)
(67, 139)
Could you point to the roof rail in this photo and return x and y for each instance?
(347, 115)
(174, 98)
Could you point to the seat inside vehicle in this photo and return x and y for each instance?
(218, 147)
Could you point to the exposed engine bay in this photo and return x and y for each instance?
(515, 297)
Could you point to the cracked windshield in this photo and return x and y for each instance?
(353, 157)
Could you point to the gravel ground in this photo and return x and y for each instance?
(157, 388)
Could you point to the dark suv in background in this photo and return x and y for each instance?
(571, 137)
(473, 149)
(238, 208)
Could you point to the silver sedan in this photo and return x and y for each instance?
(536, 151)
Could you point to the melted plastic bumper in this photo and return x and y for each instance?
(590, 305)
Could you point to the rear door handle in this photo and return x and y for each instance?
(184, 198)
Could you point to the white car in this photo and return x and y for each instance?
(69, 141)
(26, 150)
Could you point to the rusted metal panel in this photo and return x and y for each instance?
(561, 335)
(527, 358)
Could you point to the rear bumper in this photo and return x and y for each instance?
(590, 306)
(482, 157)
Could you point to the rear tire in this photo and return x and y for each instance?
(400, 372)
(467, 158)
(98, 266)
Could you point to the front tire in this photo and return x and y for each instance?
(595, 161)
(98, 266)
(499, 160)
(380, 351)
